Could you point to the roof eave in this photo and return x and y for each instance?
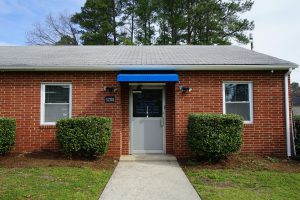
(183, 67)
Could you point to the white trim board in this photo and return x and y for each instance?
(250, 87)
(42, 103)
(146, 84)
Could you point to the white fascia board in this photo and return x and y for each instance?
(147, 67)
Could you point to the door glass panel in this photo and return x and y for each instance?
(148, 103)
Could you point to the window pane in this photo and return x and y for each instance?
(57, 94)
(148, 102)
(242, 109)
(53, 112)
(237, 92)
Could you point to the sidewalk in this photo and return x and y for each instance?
(149, 179)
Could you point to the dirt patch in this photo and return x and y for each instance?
(243, 161)
(226, 184)
(48, 177)
(206, 180)
(49, 159)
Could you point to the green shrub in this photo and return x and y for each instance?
(215, 135)
(84, 136)
(297, 133)
(7, 134)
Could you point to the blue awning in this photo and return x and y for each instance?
(148, 78)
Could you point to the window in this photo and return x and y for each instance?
(55, 102)
(148, 103)
(237, 99)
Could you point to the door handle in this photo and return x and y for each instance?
(147, 112)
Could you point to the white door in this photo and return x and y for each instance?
(147, 120)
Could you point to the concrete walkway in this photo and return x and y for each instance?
(149, 178)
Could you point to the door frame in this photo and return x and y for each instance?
(147, 86)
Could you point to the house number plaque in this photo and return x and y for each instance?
(110, 99)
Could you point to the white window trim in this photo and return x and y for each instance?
(250, 86)
(42, 116)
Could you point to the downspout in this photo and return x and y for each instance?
(287, 112)
(293, 134)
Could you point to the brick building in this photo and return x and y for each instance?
(148, 91)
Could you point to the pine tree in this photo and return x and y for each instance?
(295, 89)
(145, 11)
(171, 21)
(98, 20)
(128, 20)
(146, 22)
(217, 22)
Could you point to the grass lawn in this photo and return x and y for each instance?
(52, 183)
(260, 179)
(244, 184)
(44, 177)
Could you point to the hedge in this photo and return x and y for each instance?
(7, 134)
(297, 134)
(84, 136)
(214, 135)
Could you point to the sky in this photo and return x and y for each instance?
(276, 33)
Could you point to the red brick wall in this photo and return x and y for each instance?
(170, 120)
(125, 118)
(265, 136)
(20, 98)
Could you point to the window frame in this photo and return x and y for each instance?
(43, 94)
(250, 92)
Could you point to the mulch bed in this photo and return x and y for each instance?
(50, 159)
(244, 161)
(237, 161)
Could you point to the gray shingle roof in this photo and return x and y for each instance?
(22, 57)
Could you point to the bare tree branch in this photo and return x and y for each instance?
(54, 30)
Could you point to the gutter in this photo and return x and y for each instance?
(118, 67)
(287, 112)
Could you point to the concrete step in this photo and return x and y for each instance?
(148, 157)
